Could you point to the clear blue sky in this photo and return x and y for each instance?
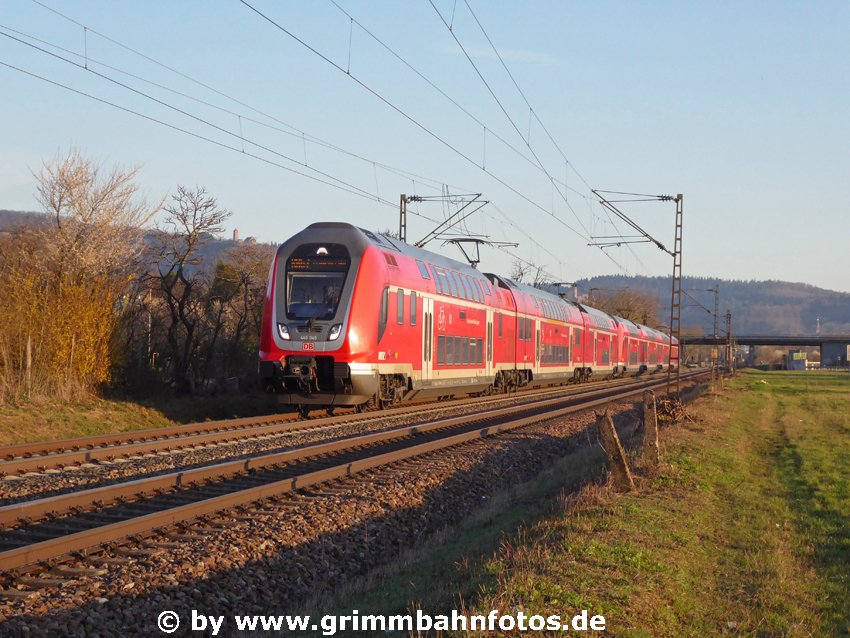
(744, 107)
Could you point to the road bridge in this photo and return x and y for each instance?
(834, 349)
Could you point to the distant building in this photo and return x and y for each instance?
(235, 234)
(250, 241)
(795, 360)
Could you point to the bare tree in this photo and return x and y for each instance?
(520, 270)
(528, 272)
(96, 215)
(193, 218)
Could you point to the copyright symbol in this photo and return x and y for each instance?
(168, 622)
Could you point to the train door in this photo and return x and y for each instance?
(538, 348)
(488, 348)
(594, 338)
(427, 338)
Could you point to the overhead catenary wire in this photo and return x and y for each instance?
(434, 86)
(406, 115)
(177, 128)
(501, 106)
(533, 113)
(263, 147)
(531, 110)
(295, 131)
(191, 133)
(289, 129)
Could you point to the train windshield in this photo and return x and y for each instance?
(314, 281)
(313, 295)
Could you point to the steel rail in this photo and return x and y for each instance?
(86, 539)
(51, 454)
(35, 509)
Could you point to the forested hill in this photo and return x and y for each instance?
(758, 307)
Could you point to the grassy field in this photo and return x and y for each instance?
(744, 531)
(46, 420)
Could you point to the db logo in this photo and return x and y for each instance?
(308, 345)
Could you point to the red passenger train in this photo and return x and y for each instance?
(357, 318)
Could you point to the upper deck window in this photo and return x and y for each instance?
(466, 289)
(480, 290)
(438, 282)
(452, 284)
(422, 270)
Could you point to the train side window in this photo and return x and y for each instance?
(464, 349)
(480, 291)
(451, 289)
(441, 350)
(456, 280)
(444, 277)
(500, 325)
(400, 307)
(450, 342)
(437, 282)
(466, 288)
(422, 270)
(578, 336)
(382, 317)
(413, 300)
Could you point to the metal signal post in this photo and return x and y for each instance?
(674, 376)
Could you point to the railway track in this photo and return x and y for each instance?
(37, 457)
(48, 528)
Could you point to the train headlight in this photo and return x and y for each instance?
(283, 331)
(335, 331)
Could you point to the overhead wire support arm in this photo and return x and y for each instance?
(455, 218)
(610, 206)
(673, 376)
(617, 244)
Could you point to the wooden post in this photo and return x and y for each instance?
(616, 455)
(650, 430)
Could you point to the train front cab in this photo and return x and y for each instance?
(315, 336)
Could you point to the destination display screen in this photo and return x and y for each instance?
(318, 263)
